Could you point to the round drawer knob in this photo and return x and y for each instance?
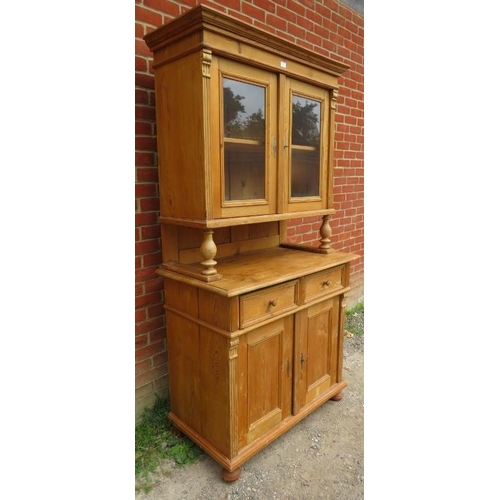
(326, 283)
(273, 302)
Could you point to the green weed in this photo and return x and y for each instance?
(354, 319)
(156, 440)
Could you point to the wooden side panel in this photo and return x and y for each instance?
(169, 248)
(219, 311)
(214, 390)
(183, 338)
(181, 172)
(181, 296)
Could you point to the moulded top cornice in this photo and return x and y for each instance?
(203, 18)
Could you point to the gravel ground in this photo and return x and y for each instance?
(322, 457)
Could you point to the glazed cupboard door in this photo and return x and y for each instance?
(265, 379)
(245, 154)
(318, 351)
(305, 148)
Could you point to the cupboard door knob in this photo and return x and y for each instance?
(327, 283)
(273, 302)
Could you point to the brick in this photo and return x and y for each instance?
(169, 8)
(160, 359)
(295, 7)
(144, 391)
(314, 16)
(154, 259)
(150, 232)
(264, 27)
(148, 16)
(149, 204)
(331, 27)
(150, 375)
(148, 299)
(286, 14)
(143, 366)
(345, 12)
(232, 4)
(296, 31)
(158, 335)
(241, 17)
(214, 5)
(351, 27)
(161, 382)
(146, 143)
(343, 32)
(148, 246)
(146, 274)
(149, 351)
(141, 341)
(312, 38)
(145, 174)
(253, 12)
(359, 41)
(143, 128)
(145, 190)
(139, 30)
(320, 31)
(156, 311)
(149, 324)
(325, 12)
(266, 5)
(141, 96)
(155, 285)
(276, 22)
(307, 24)
(286, 36)
(146, 219)
(141, 48)
(140, 314)
(145, 113)
(146, 81)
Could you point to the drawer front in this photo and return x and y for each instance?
(323, 283)
(263, 304)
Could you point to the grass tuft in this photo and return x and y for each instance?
(157, 440)
(354, 319)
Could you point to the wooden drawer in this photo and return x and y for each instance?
(263, 304)
(323, 283)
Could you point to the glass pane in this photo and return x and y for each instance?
(244, 133)
(305, 169)
(305, 121)
(244, 110)
(244, 167)
(305, 173)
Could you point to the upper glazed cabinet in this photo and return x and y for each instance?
(245, 123)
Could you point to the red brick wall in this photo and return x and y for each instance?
(326, 27)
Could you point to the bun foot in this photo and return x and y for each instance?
(231, 476)
(338, 396)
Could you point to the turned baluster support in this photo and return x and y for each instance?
(208, 251)
(325, 231)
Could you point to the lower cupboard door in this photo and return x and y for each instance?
(317, 351)
(265, 378)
